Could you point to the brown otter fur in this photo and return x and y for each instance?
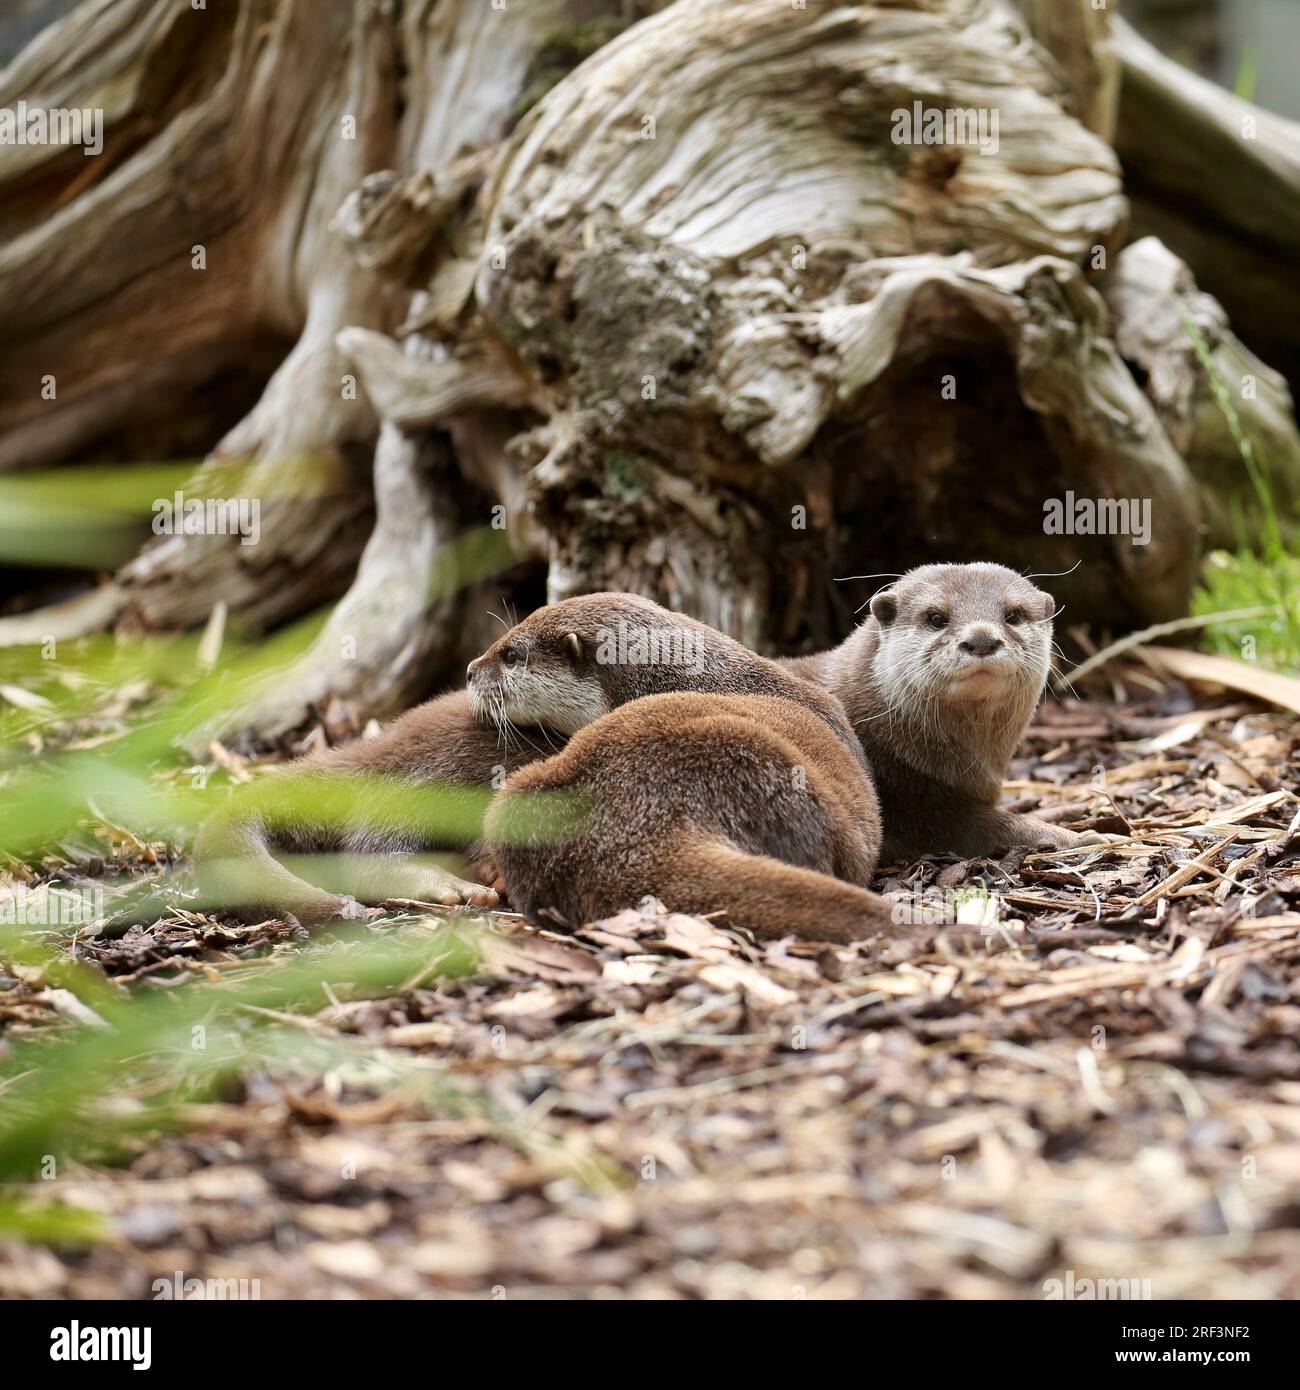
(571, 662)
(749, 804)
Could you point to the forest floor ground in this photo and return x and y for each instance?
(1094, 1074)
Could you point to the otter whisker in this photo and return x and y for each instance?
(507, 725)
(881, 590)
(1065, 681)
(884, 714)
(497, 714)
(1061, 675)
(1055, 574)
(1057, 650)
(512, 729)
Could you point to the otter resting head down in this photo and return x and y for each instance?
(570, 663)
(703, 775)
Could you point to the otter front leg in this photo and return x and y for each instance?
(374, 878)
(992, 831)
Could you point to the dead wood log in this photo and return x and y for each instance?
(711, 317)
(1159, 315)
(1217, 179)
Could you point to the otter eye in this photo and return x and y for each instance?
(935, 619)
(510, 656)
(1014, 617)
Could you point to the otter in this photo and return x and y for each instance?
(569, 663)
(793, 756)
(744, 804)
(940, 683)
(703, 774)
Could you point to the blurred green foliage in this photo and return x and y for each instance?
(1262, 571)
(92, 737)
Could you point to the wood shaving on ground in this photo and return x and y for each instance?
(1096, 1069)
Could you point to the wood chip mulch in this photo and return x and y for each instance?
(1094, 1071)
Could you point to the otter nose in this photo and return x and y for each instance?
(981, 642)
(472, 667)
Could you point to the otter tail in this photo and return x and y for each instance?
(771, 898)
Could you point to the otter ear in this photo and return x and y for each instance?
(884, 608)
(1046, 607)
(574, 644)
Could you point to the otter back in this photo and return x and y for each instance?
(750, 805)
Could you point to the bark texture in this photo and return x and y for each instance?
(1218, 179)
(659, 288)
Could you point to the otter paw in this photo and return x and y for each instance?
(349, 910)
(438, 886)
(319, 913)
(1094, 837)
(1047, 837)
(490, 874)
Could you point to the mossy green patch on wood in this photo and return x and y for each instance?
(627, 475)
(559, 52)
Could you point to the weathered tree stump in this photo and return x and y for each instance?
(701, 318)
